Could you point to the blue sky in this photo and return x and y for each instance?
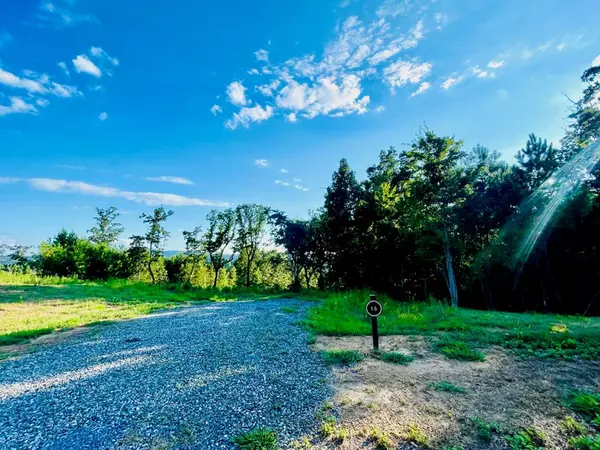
(196, 105)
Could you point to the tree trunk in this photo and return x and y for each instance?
(307, 277)
(450, 272)
(216, 277)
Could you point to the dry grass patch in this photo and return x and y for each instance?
(502, 402)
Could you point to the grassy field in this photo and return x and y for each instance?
(461, 333)
(32, 306)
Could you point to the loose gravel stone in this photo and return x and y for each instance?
(189, 378)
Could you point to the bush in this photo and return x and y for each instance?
(257, 439)
(528, 439)
(587, 403)
(459, 350)
(397, 358)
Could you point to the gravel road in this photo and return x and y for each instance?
(187, 378)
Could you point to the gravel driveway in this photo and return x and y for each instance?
(187, 378)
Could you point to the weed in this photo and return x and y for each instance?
(527, 439)
(289, 309)
(373, 406)
(571, 426)
(397, 358)
(596, 421)
(414, 434)
(301, 444)
(381, 440)
(186, 435)
(585, 442)
(328, 426)
(346, 357)
(257, 439)
(587, 403)
(445, 386)
(459, 350)
(485, 429)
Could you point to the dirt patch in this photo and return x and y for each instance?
(505, 389)
(45, 339)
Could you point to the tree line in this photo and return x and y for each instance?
(432, 220)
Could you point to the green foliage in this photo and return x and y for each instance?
(397, 358)
(585, 442)
(346, 357)
(107, 229)
(571, 426)
(257, 439)
(381, 440)
(416, 435)
(485, 429)
(459, 350)
(445, 386)
(587, 403)
(527, 439)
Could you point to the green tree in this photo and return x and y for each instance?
(218, 238)
(156, 236)
(536, 162)
(137, 254)
(194, 250)
(251, 221)
(107, 229)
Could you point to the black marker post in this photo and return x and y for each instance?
(374, 309)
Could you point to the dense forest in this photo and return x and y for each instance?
(433, 220)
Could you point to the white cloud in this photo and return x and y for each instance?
(300, 187)
(236, 94)
(422, 88)
(83, 64)
(596, 62)
(402, 72)
(261, 163)
(148, 198)
(267, 89)
(170, 179)
(249, 115)
(103, 116)
(291, 117)
(262, 55)
(451, 81)
(102, 55)
(17, 106)
(11, 80)
(253, 72)
(284, 171)
(282, 183)
(441, 20)
(296, 180)
(64, 90)
(59, 14)
(64, 68)
(495, 64)
(481, 73)
(216, 109)
(379, 109)
(42, 102)
(393, 8)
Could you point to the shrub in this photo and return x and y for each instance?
(414, 434)
(571, 426)
(485, 429)
(585, 442)
(257, 439)
(343, 356)
(381, 440)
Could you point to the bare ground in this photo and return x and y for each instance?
(512, 391)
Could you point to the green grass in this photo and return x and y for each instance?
(416, 435)
(345, 357)
(571, 426)
(31, 306)
(445, 386)
(585, 442)
(587, 403)
(527, 439)
(289, 310)
(485, 429)
(459, 350)
(257, 439)
(529, 334)
(397, 358)
(381, 440)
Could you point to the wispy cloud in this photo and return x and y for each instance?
(596, 61)
(296, 180)
(35, 83)
(495, 64)
(17, 106)
(60, 14)
(103, 116)
(102, 62)
(451, 81)
(170, 179)
(284, 171)
(261, 163)
(331, 84)
(422, 88)
(282, 183)
(83, 188)
(216, 109)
